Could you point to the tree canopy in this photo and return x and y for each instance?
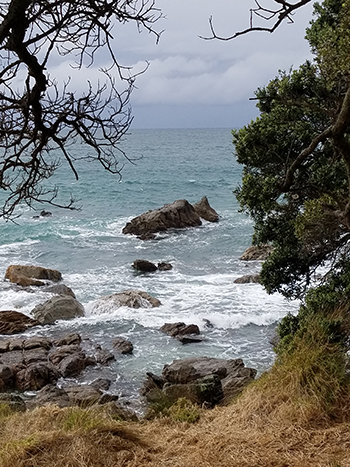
(296, 159)
(40, 117)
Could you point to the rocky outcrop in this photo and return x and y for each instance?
(185, 333)
(257, 253)
(179, 214)
(31, 275)
(30, 364)
(123, 346)
(202, 380)
(60, 289)
(14, 322)
(248, 279)
(205, 211)
(130, 298)
(165, 266)
(57, 308)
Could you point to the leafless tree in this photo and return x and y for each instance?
(40, 117)
(279, 11)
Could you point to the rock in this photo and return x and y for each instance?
(176, 329)
(45, 213)
(257, 253)
(35, 355)
(164, 266)
(144, 265)
(13, 358)
(189, 339)
(57, 355)
(58, 307)
(248, 279)
(28, 275)
(60, 289)
(101, 384)
(36, 375)
(117, 412)
(130, 298)
(37, 342)
(103, 356)
(83, 396)
(74, 364)
(6, 377)
(50, 395)
(179, 214)
(205, 211)
(68, 339)
(124, 346)
(208, 324)
(206, 390)
(12, 322)
(15, 402)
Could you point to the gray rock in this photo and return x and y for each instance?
(68, 339)
(36, 375)
(176, 329)
(57, 308)
(101, 384)
(144, 265)
(37, 342)
(50, 395)
(57, 355)
(257, 253)
(74, 364)
(164, 266)
(60, 289)
(179, 214)
(205, 211)
(123, 346)
(83, 396)
(189, 339)
(248, 279)
(103, 356)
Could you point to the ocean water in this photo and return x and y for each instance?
(95, 258)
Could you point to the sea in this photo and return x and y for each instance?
(95, 258)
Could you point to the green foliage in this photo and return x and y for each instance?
(184, 411)
(77, 418)
(297, 201)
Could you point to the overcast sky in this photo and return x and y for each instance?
(196, 83)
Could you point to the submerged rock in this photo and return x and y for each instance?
(130, 298)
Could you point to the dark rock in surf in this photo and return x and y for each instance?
(248, 279)
(60, 289)
(164, 266)
(179, 214)
(123, 346)
(144, 265)
(179, 329)
(205, 211)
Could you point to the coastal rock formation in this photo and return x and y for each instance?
(248, 279)
(14, 322)
(58, 307)
(123, 346)
(164, 266)
(185, 333)
(201, 379)
(205, 211)
(60, 289)
(130, 298)
(257, 253)
(30, 275)
(144, 265)
(179, 214)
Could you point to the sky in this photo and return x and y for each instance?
(195, 83)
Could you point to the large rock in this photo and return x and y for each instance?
(179, 214)
(12, 322)
(257, 253)
(58, 307)
(123, 346)
(205, 211)
(36, 375)
(30, 275)
(144, 265)
(130, 298)
(248, 279)
(60, 289)
(179, 329)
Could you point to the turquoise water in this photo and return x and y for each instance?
(95, 258)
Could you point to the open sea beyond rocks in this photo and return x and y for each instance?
(95, 258)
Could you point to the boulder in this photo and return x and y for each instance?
(130, 298)
(164, 266)
(179, 329)
(257, 253)
(123, 346)
(57, 355)
(144, 265)
(50, 395)
(12, 322)
(103, 356)
(206, 390)
(73, 365)
(205, 211)
(179, 214)
(248, 279)
(60, 289)
(36, 375)
(68, 339)
(83, 396)
(30, 275)
(58, 307)
(6, 377)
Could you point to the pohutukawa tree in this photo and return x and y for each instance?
(296, 158)
(40, 117)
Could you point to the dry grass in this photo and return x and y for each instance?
(297, 415)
